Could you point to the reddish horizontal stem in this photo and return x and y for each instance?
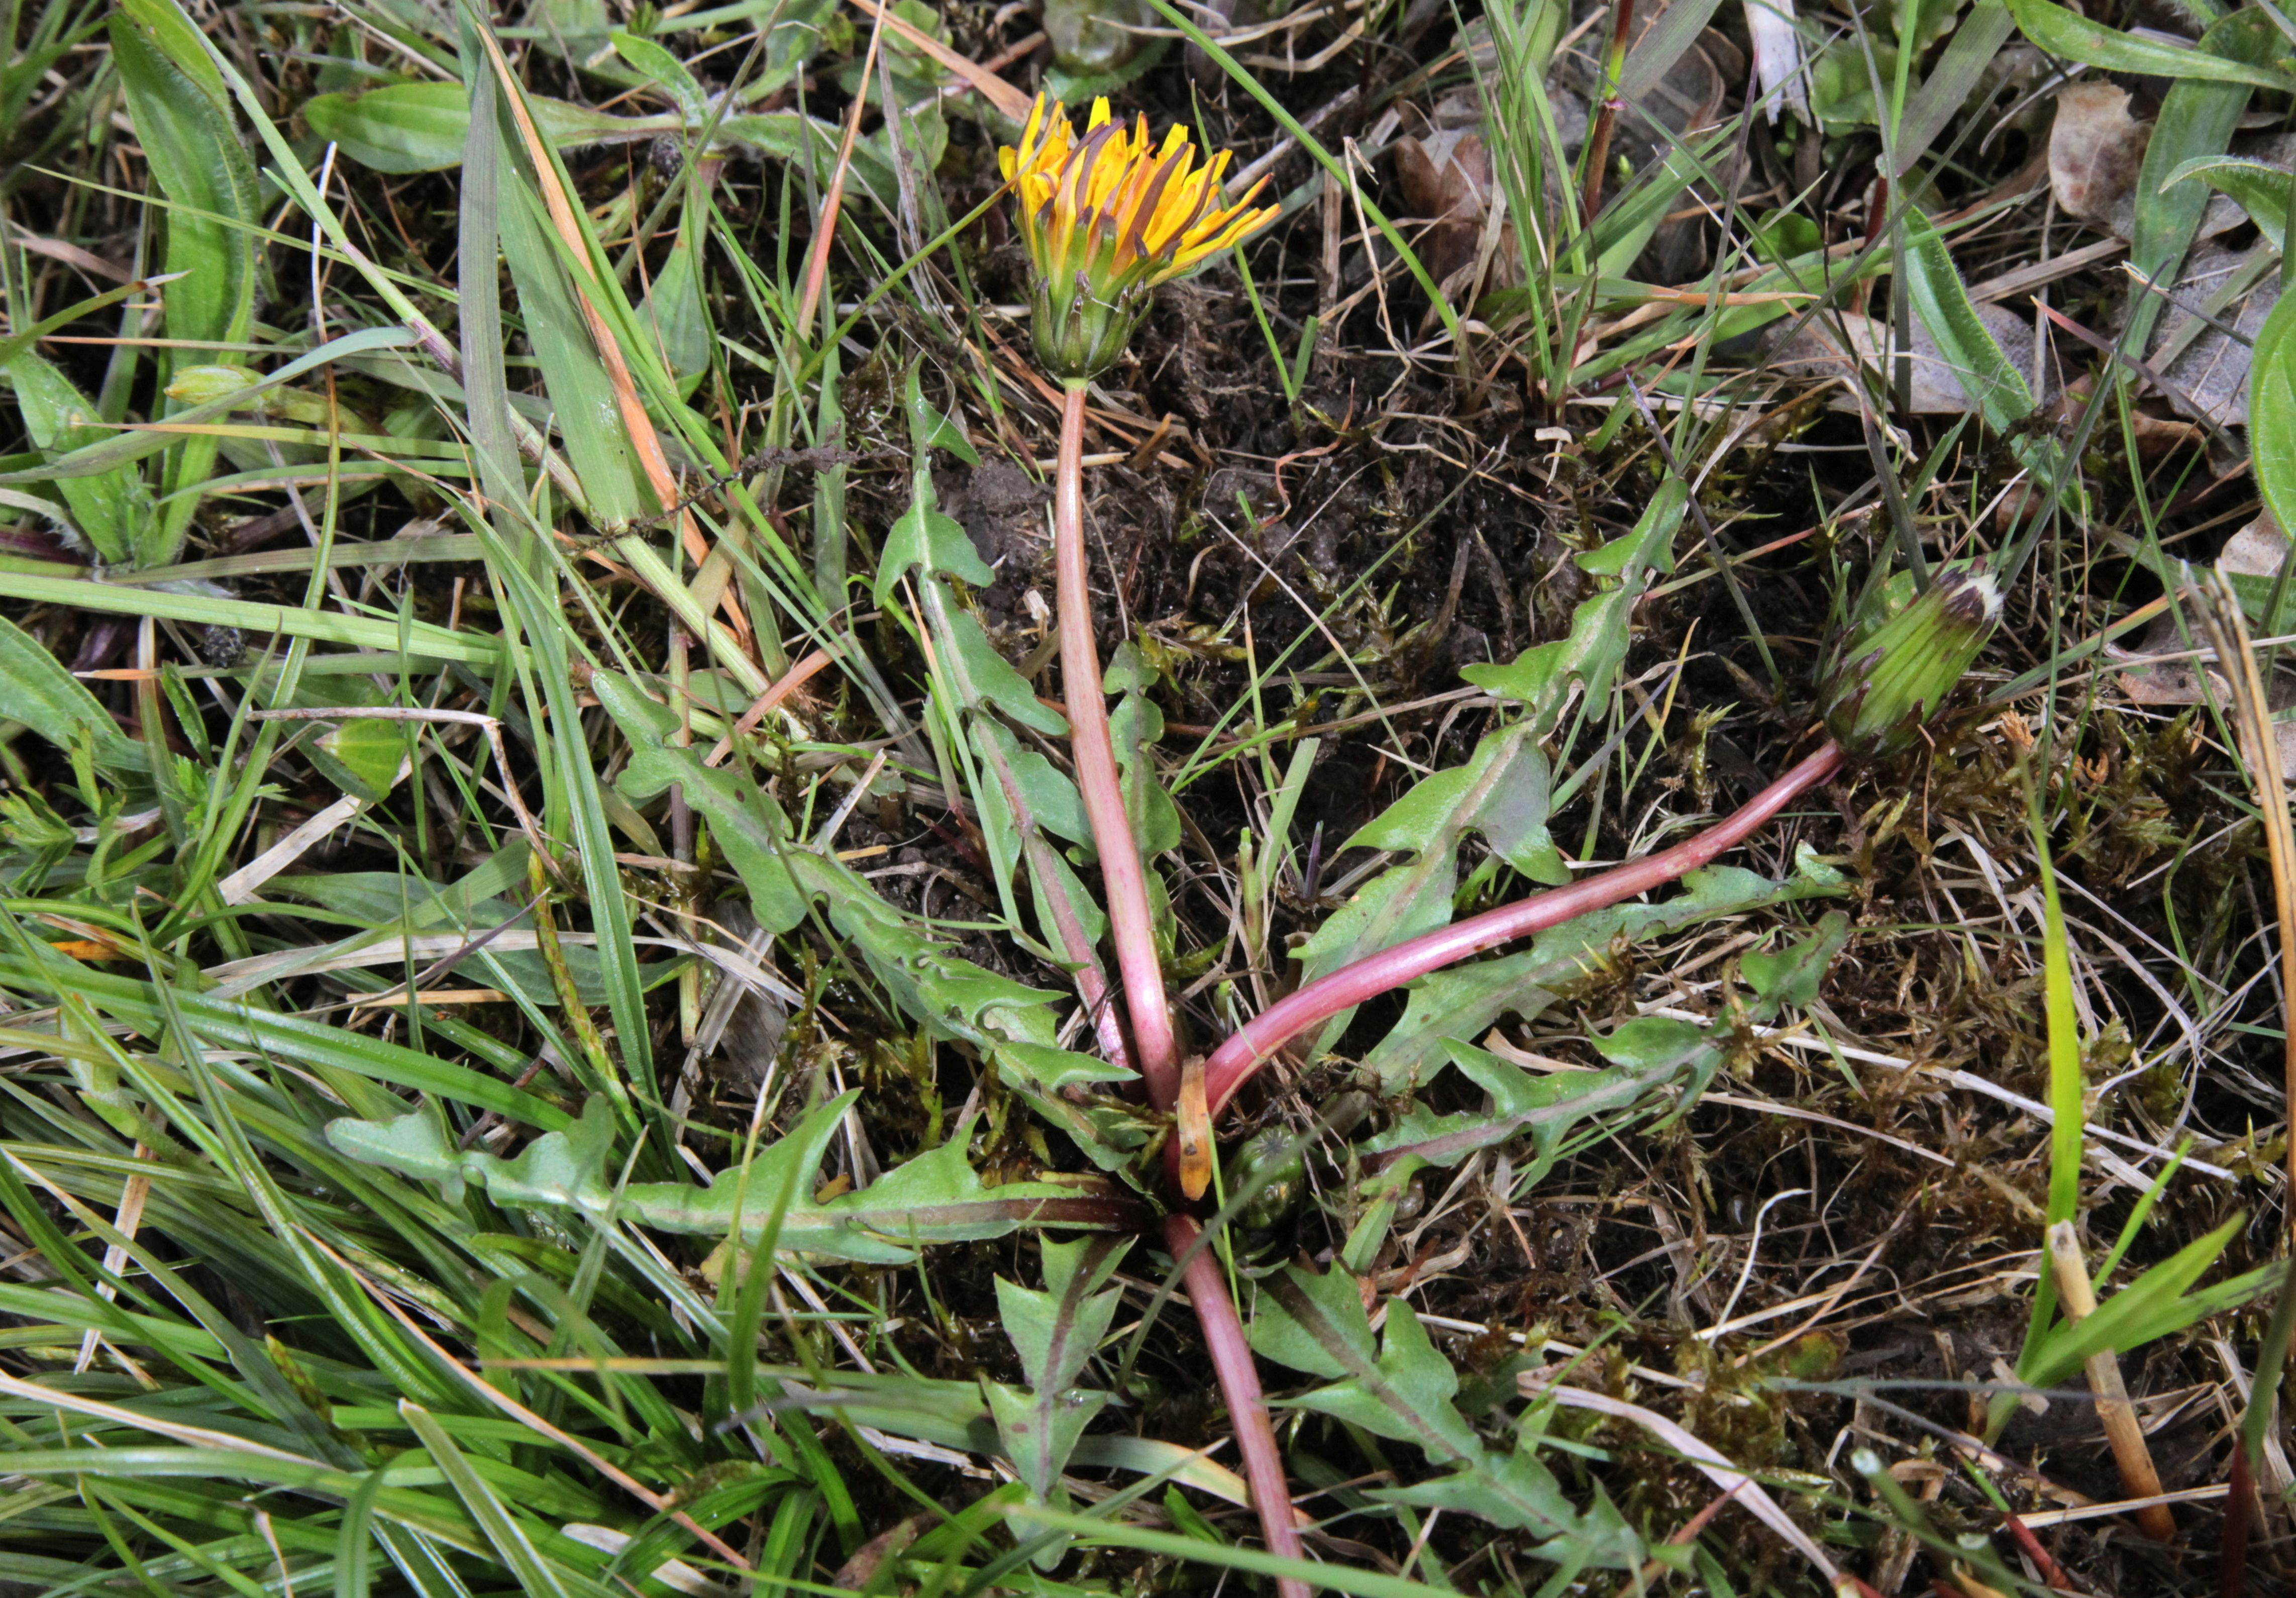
(1251, 1045)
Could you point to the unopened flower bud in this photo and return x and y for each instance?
(1886, 684)
(199, 385)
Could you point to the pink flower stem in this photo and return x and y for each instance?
(1239, 1381)
(1153, 1048)
(1252, 1044)
(1130, 925)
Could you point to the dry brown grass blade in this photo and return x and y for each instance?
(788, 683)
(833, 203)
(1011, 102)
(1701, 1455)
(2121, 1431)
(639, 426)
(2220, 615)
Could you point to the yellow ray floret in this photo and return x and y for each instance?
(1108, 215)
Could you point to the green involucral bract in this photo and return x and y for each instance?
(1886, 685)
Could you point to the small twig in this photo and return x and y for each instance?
(1598, 143)
(817, 457)
(2127, 1437)
(431, 972)
(577, 1014)
(2220, 615)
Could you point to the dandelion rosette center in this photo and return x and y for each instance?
(1107, 217)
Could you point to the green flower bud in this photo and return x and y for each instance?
(1271, 1167)
(1888, 680)
(198, 386)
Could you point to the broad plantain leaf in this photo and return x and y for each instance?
(184, 121)
(113, 508)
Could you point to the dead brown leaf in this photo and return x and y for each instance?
(2149, 677)
(2209, 377)
(1446, 178)
(2096, 149)
(1819, 351)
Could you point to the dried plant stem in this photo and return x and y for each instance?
(574, 1013)
(2129, 1451)
(1598, 143)
(1250, 1047)
(788, 683)
(1131, 927)
(825, 233)
(1239, 1381)
(2220, 614)
(2239, 1511)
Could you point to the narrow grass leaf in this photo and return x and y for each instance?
(421, 640)
(1969, 54)
(109, 454)
(535, 1578)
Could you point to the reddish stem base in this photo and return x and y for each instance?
(1239, 1381)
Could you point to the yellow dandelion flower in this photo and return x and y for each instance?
(1108, 217)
